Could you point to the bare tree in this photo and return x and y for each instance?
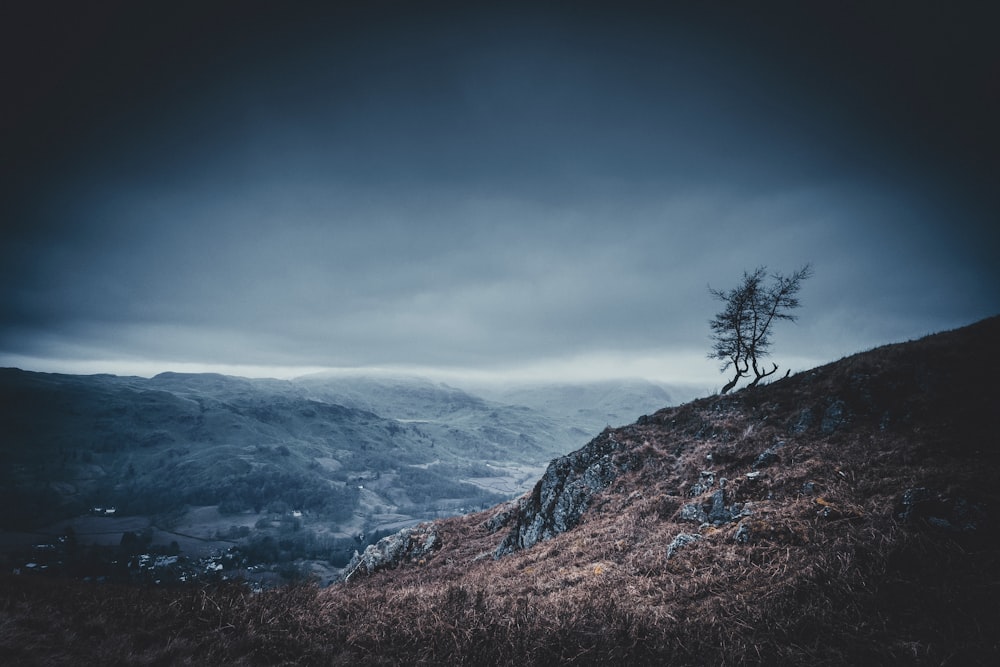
(742, 331)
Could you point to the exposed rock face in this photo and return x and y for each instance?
(705, 482)
(836, 415)
(503, 516)
(561, 496)
(564, 492)
(409, 544)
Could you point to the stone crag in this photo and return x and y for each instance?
(561, 496)
(408, 545)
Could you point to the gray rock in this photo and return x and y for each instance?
(767, 457)
(719, 513)
(705, 482)
(803, 422)
(713, 511)
(692, 512)
(681, 541)
(835, 415)
(409, 544)
(742, 534)
(563, 494)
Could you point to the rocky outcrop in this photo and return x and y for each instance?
(712, 510)
(408, 545)
(561, 496)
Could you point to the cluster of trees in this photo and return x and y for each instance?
(257, 489)
(302, 545)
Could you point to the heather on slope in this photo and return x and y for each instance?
(846, 515)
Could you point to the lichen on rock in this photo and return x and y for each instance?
(409, 544)
(562, 495)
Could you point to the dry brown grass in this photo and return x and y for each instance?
(829, 573)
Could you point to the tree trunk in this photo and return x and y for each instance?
(761, 376)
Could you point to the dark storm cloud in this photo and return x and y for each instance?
(490, 187)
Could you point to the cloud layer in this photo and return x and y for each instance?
(488, 190)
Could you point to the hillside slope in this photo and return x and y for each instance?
(846, 515)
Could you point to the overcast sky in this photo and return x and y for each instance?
(545, 189)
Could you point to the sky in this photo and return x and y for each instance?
(501, 189)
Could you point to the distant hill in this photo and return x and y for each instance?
(592, 406)
(351, 457)
(844, 515)
(149, 446)
(564, 413)
(402, 397)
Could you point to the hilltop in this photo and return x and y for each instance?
(844, 515)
